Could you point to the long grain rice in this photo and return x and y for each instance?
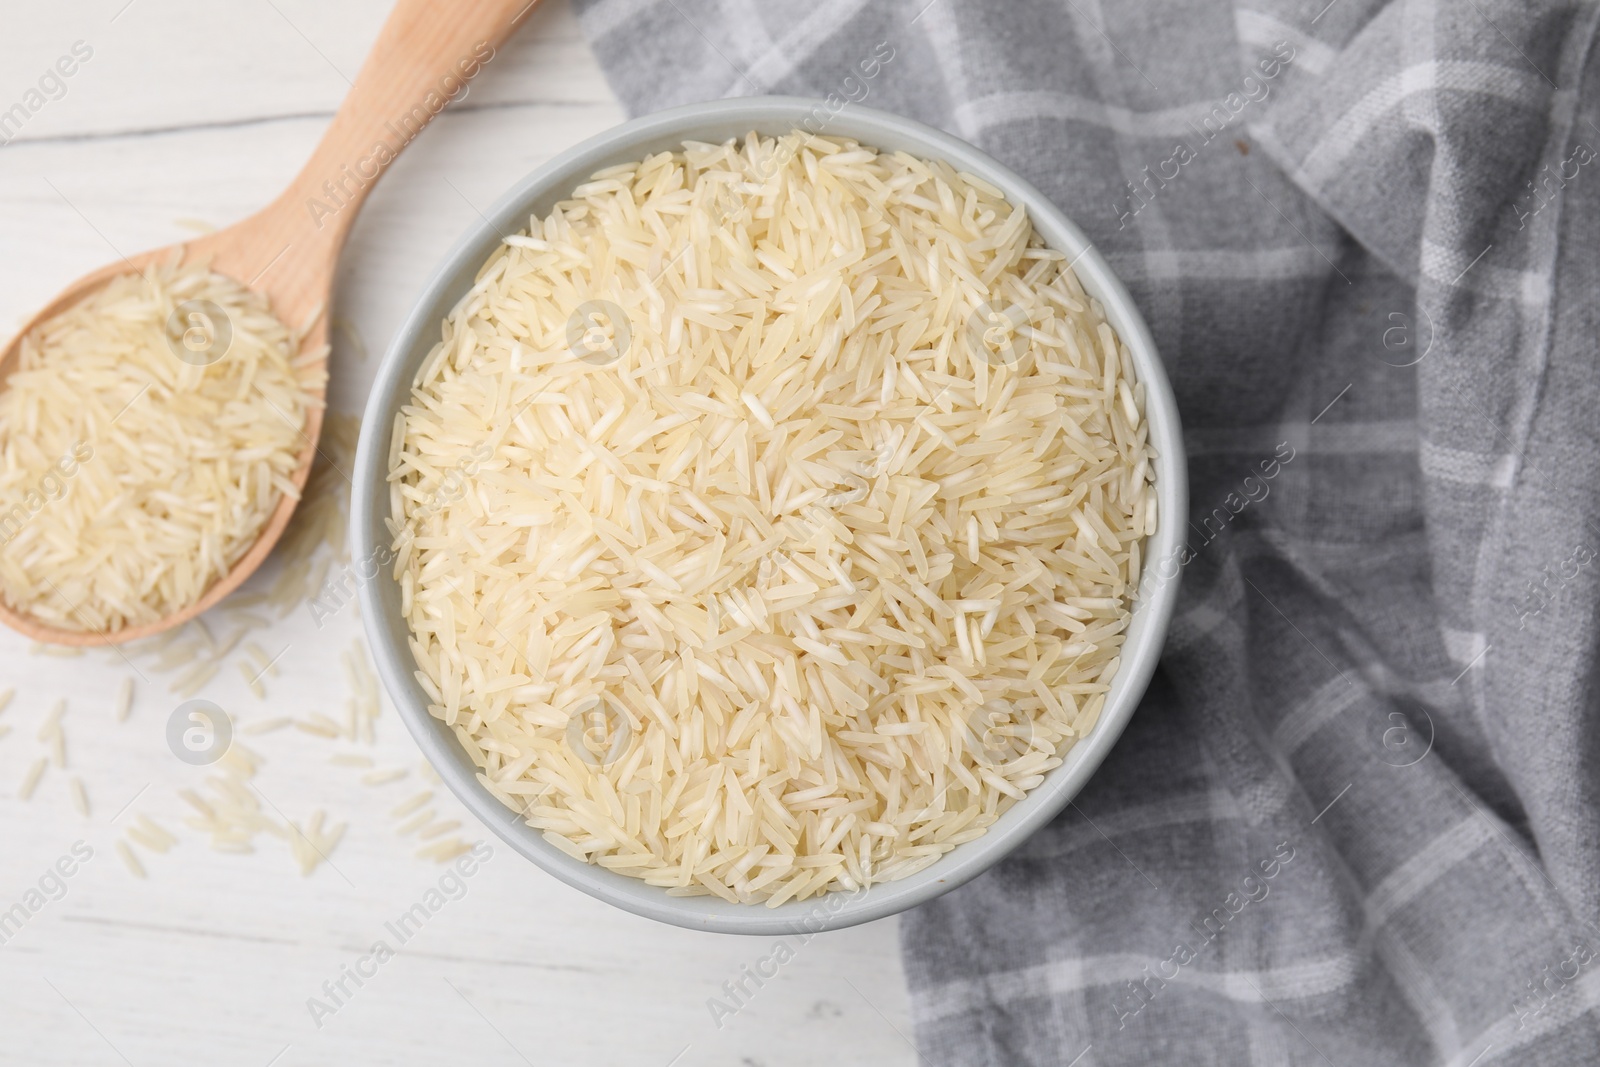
(406, 807)
(444, 851)
(130, 860)
(52, 721)
(30, 781)
(132, 479)
(151, 834)
(267, 726)
(795, 566)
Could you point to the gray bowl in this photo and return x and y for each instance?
(388, 633)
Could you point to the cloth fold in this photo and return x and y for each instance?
(1355, 819)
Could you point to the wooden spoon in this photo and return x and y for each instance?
(423, 57)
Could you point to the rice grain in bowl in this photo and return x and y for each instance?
(767, 521)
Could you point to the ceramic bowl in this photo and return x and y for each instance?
(388, 633)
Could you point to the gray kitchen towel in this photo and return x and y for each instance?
(1355, 820)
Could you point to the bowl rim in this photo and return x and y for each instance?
(388, 635)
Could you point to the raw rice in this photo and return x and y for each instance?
(147, 832)
(444, 851)
(259, 654)
(232, 815)
(310, 846)
(190, 684)
(178, 655)
(132, 479)
(833, 566)
(232, 641)
(406, 807)
(415, 823)
(52, 721)
(30, 781)
(266, 726)
(252, 680)
(318, 724)
(130, 860)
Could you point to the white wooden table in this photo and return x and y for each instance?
(197, 110)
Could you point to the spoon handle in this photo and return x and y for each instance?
(423, 58)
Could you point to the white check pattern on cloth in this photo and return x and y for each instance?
(1389, 262)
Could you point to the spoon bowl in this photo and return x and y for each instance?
(423, 58)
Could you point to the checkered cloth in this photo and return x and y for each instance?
(1354, 822)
